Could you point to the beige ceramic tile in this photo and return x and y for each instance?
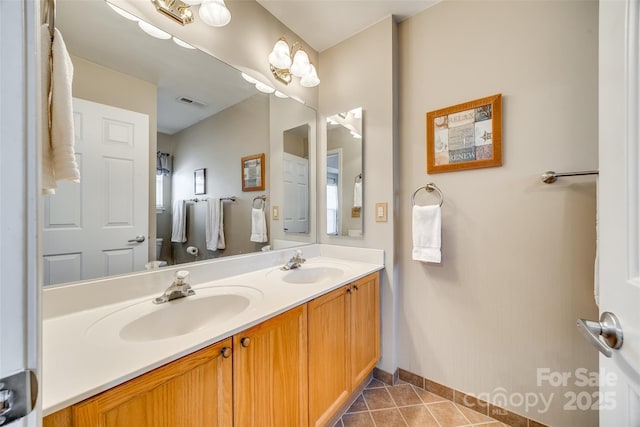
(358, 405)
(473, 416)
(378, 398)
(404, 395)
(447, 414)
(418, 416)
(361, 419)
(388, 418)
(374, 383)
(428, 397)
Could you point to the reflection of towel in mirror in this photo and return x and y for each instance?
(179, 222)
(214, 225)
(357, 195)
(258, 226)
(427, 229)
(58, 154)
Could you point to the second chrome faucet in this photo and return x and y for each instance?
(178, 289)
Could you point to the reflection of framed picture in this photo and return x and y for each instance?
(200, 181)
(465, 136)
(253, 172)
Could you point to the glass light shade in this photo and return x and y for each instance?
(280, 56)
(300, 65)
(280, 95)
(249, 78)
(123, 13)
(153, 31)
(192, 2)
(214, 13)
(182, 43)
(264, 88)
(310, 79)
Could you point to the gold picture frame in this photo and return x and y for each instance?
(465, 136)
(253, 172)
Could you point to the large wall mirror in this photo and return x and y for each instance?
(153, 118)
(345, 178)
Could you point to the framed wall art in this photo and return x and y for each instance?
(253, 172)
(465, 136)
(200, 181)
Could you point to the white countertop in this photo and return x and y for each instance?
(76, 365)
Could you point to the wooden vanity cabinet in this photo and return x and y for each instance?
(194, 391)
(270, 372)
(344, 345)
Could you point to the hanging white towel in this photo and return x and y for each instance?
(59, 159)
(48, 181)
(357, 195)
(258, 226)
(179, 222)
(427, 229)
(214, 225)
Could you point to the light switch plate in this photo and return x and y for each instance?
(381, 212)
(275, 212)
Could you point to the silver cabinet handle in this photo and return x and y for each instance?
(608, 328)
(139, 239)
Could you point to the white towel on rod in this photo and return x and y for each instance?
(427, 229)
(59, 159)
(258, 226)
(179, 222)
(357, 195)
(214, 225)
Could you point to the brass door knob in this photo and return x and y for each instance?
(245, 342)
(226, 352)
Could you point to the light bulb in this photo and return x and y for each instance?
(214, 13)
(264, 88)
(249, 78)
(123, 13)
(300, 65)
(310, 79)
(153, 31)
(182, 43)
(280, 56)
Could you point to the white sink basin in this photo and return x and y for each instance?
(146, 321)
(309, 275)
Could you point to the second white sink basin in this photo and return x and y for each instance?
(307, 275)
(146, 321)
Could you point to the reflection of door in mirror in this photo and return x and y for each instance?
(98, 227)
(295, 175)
(344, 174)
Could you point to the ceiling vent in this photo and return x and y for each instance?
(190, 101)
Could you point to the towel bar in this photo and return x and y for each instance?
(549, 177)
(429, 187)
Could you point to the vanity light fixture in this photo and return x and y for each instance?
(177, 10)
(287, 62)
(212, 12)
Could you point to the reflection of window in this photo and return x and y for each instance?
(159, 193)
(332, 203)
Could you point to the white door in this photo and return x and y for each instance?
(296, 194)
(100, 227)
(619, 208)
(19, 290)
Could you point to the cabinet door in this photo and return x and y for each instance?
(329, 382)
(365, 327)
(270, 372)
(195, 391)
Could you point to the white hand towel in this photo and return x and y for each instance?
(258, 226)
(357, 195)
(427, 229)
(214, 226)
(59, 157)
(179, 222)
(48, 181)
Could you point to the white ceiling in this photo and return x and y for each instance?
(325, 23)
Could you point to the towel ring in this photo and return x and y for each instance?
(429, 187)
(262, 199)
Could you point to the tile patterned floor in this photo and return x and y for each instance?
(405, 405)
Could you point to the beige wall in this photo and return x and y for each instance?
(360, 72)
(244, 43)
(517, 254)
(218, 143)
(96, 83)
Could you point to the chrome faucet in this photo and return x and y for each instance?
(178, 289)
(296, 261)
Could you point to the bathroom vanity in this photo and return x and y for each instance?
(293, 355)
